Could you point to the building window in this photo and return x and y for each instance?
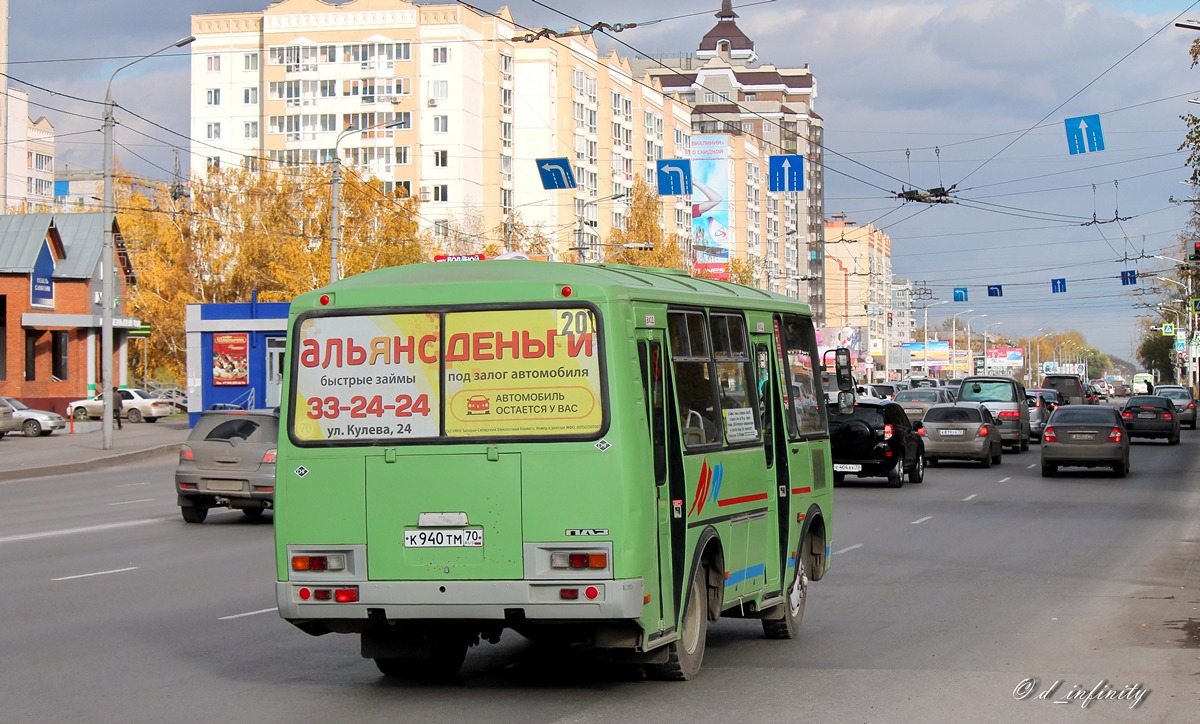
(441, 56)
(251, 129)
(31, 338)
(441, 124)
(213, 163)
(213, 96)
(405, 186)
(250, 96)
(214, 131)
(59, 341)
(439, 89)
(403, 51)
(213, 63)
(441, 228)
(403, 155)
(250, 61)
(441, 192)
(441, 159)
(329, 89)
(710, 97)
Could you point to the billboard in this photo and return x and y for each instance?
(853, 338)
(939, 354)
(1008, 358)
(231, 359)
(712, 189)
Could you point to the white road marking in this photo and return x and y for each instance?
(249, 613)
(97, 573)
(1031, 467)
(848, 549)
(131, 502)
(76, 531)
(918, 521)
(972, 495)
(132, 485)
(1005, 480)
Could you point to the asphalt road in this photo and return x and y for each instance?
(944, 597)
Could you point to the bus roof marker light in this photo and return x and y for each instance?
(325, 299)
(565, 290)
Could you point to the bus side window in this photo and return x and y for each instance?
(735, 377)
(695, 388)
(652, 383)
(762, 357)
(804, 382)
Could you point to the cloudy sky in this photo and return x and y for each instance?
(920, 94)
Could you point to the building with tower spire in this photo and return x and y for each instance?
(743, 113)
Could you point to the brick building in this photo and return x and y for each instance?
(51, 301)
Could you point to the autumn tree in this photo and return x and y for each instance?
(644, 228)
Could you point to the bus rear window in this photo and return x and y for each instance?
(457, 374)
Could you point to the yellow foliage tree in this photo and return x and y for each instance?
(643, 227)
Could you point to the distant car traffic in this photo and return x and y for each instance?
(915, 402)
(1042, 403)
(961, 431)
(1005, 397)
(136, 405)
(876, 439)
(1151, 416)
(228, 461)
(1087, 436)
(1185, 404)
(1069, 387)
(31, 422)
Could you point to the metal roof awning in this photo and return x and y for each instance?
(75, 321)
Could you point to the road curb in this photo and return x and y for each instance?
(106, 461)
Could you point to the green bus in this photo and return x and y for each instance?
(596, 454)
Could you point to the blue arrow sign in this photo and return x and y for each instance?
(787, 172)
(556, 173)
(995, 290)
(1129, 277)
(1084, 134)
(960, 294)
(1058, 285)
(675, 177)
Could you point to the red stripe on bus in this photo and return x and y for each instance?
(801, 491)
(743, 499)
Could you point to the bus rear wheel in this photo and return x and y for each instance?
(685, 655)
(788, 627)
(445, 661)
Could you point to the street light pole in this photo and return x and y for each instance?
(985, 336)
(335, 190)
(954, 341)
(108, 269)
(970, 349)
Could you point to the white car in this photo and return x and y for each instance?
(137, 405)
(8, 423)
(30, 421)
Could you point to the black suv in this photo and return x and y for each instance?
(874, 440)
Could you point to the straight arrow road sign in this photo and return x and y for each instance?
(786, 172)
(1084, 134)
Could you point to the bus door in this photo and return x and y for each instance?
(767, 378)
(668, 473)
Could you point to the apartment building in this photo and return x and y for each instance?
(741, 114)
(858, 282)
(29, 154)
(446, 105)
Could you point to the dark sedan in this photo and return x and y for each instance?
(1089, 436)
(1151, 416)
(874, 440)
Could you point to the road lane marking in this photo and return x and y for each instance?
(1005, 480)
(76, 531)
(1031, 467)
(97, 573)
(972, 495)
(918, 521)
(848, 549)
(131, 502)
(131, 485)
(249, 613)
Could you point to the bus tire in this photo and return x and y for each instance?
(788, 626)
(445, 661)
(686, 654)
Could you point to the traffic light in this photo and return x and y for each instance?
(1195, 255)
(889, 319)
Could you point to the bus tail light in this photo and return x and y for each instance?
(329, 562)
(1048, 435)
(568, 594)
(340, 595)
(567, 559)
(346, 595)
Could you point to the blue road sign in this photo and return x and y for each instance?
(787, 172)
(995, 290)
(1058, 285)
(674, 177)
(1128, 277)
(1168, 330)
(1180, 345)
(556, 173)
(1196, 306)
(1084, 134)
(960, 294)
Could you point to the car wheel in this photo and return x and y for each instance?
(987, 460)
(31, 428)
(80, 413)
(1174, 440)
(46, 433)
(999, 456)
(916, 474)
(1120, 469)
(1192, 425)
(135, 415)
(193, 513)
(895, 476)
(1048, 471)
(685, 655)
(1024, 445)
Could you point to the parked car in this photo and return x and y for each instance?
(916, 402)
(875, 439)
(1085, 436)
(1005, 397)
(1069, 387)
(1185, 404)
(228, 460)
(136, 405)
(1042, 403)
(961, 431)
(31, 422)
(8, 421)
(1151, 416)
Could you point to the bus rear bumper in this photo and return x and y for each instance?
(572, 600)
